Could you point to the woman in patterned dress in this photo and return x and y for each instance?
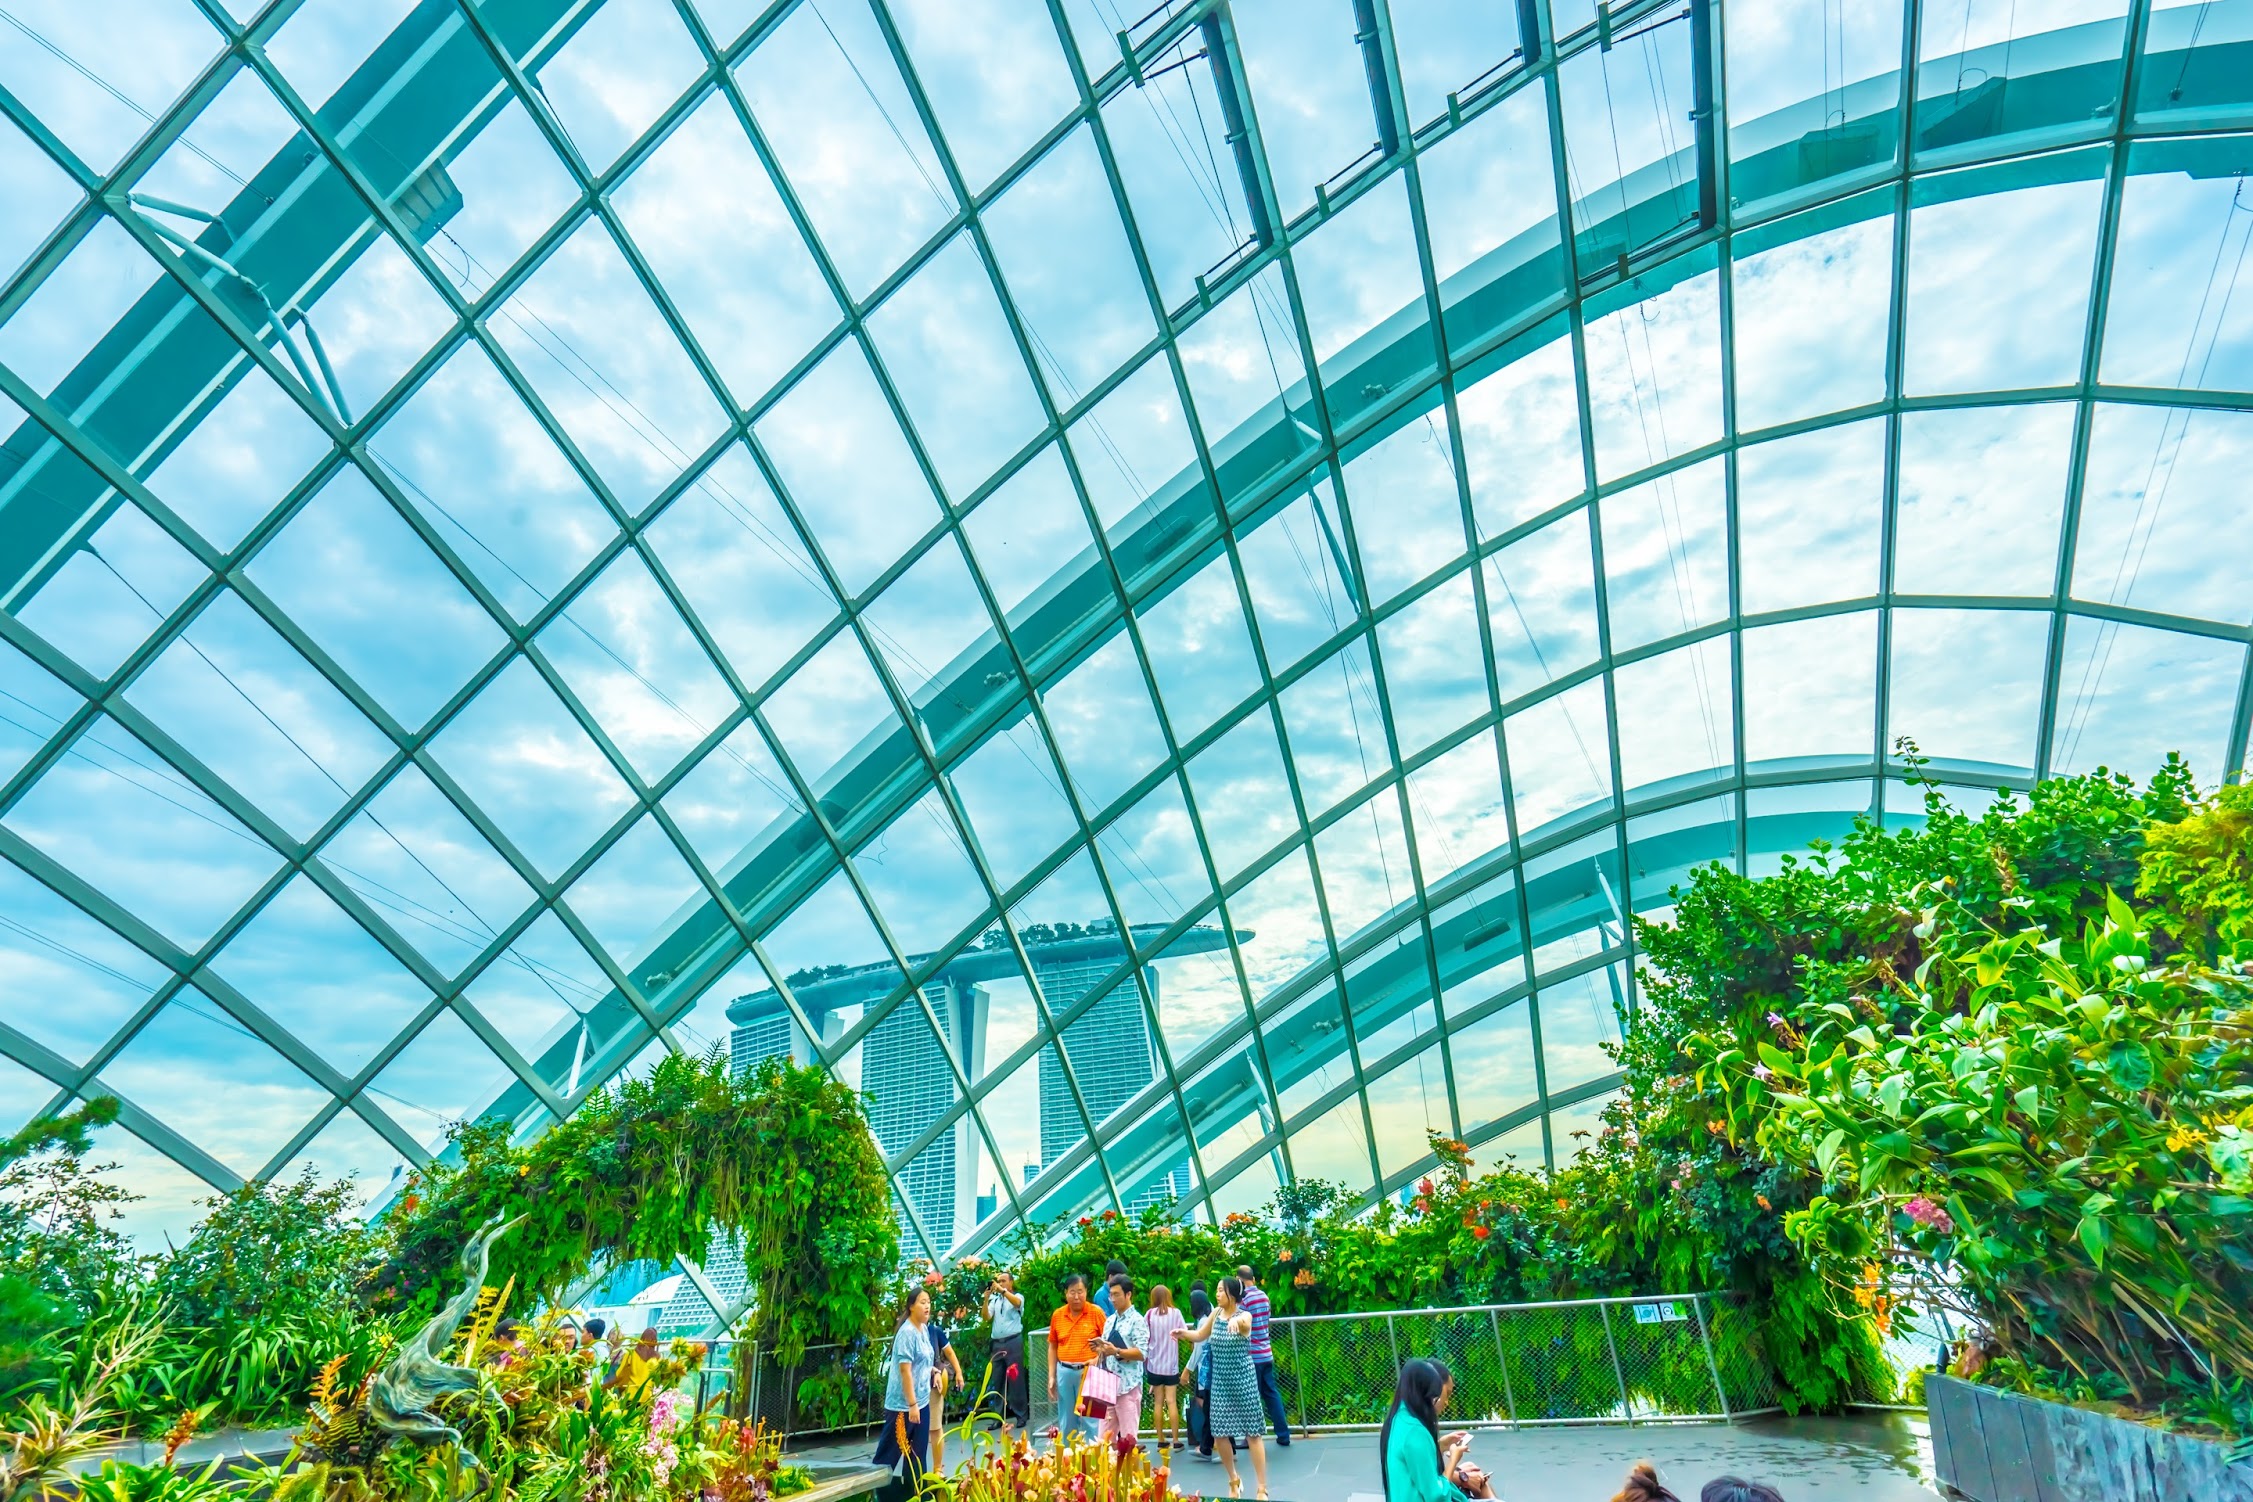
(1237, 1417)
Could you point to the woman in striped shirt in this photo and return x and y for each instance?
(1161, 1366)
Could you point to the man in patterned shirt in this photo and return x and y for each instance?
(1263, 1355)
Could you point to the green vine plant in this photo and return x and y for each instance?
(778, 1160)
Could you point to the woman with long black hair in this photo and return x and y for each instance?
(1417, 1464)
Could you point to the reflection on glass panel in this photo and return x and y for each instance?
(1578, 1017)
(1521, 431)
(918, 873)
(704, 214)
(1408, 517)
(1808, 516)
(1675, 716)
(629, 898)
(1243, 797)
(1304, 63)
(1630, 147)
(631, 661)
(1364, 860)
(1455, 808)
(1654, 372)
(1103, 722)
(1814, 93)
(2128, 695)
(359, 582)
(951, 356)
(1298, 575)
(1812, 310)
(1365, 312)
(1999, 282)
(846, 132)
(1070, 272)
(240, 700)
(1666, 554)
(1406, 1105)
(1573, 895)
(615, 75)
(48, 948)
(1541, 606)
(1449, 46)
(1490, 207)
(2185, 221)
(184, 866)
(1494, 1065)
(1981, 493)
(1433, 685)
(1334, 1148)
(1560, 760)
(1199, 649)
(308, 966)
(1336, 728)
(1966, 685)
(2162, 507)
(2196, 55)
(1989, 69)
(734, 555)
(544, 782)
(1809, 687)
(848, 467)
(828, 709)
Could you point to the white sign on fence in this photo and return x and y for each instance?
(1659, 1314)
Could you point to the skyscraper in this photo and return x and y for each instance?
(1112, 1056)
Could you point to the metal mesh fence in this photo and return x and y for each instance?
(1584, 1361)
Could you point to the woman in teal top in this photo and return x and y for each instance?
(1417, 1463)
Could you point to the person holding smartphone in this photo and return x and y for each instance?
(1418, 1462)
(1005, 1311)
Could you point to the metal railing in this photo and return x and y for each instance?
(1685, 1359)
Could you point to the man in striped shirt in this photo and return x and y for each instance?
(1263, 1355)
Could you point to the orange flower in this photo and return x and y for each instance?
(1481, 1232)
(1762, 1201)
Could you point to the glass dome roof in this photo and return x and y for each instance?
(1151, 588)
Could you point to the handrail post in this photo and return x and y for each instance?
(1298, 1376)
(1706, 1334)
(1393, 1337)
(1502, 1354)
(1626, 1409)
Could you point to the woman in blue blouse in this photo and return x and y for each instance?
(904, 1446)
(1417, 1463)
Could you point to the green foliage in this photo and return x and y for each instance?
(60, 1259)
(655, 1168)
(1973, 1074)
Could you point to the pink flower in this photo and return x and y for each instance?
(1932, 1216)
(1763, 1073)
(1775, 1019)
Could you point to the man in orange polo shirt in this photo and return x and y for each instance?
(1071, 1335)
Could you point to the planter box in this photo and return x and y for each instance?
(1995, 1446)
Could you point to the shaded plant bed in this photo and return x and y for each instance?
(1989, 1445)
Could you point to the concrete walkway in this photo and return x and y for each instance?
(220, 1444)
(1860, 1457)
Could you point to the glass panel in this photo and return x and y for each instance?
(1336, 729)
(348, 1148)
(1578, 1017)
(110, 575)
(1196, 990)
(1152, 858)
(1031, 534)
(1405, 1105)
(1243, 798)
(541, 779)
(1809, 688)
(440, 1078)
(734, 799)
(540, 994)
(414, 859)
(510, 182)
(1365, 868)
(1200, 651)
(1409, 518)
(1654, 376)
(993, 74)
(1446, 46)
(1135, 453)
(39, 194)
(1177, 170)
(308, 966)
(704, 214)
(186, 866)
(844, 128)
(1808, 517)
(490, 481)
(1812, 315)
(1666, 554)
(1303, 62)
(1242, 361)
(1982, 491)
(1633, 158)
(1494, 1066)
(1105, 728)
(1334, 1148)
(1986, 71)
(167, 1200)
(635, 894)
(1966, 685)
(1490, 209)
(101, 106)
(1014, 799)
(232, 466)
(1300, 580)
(951, 356)
(1999, 283)
(2184, 227)
(49, 948)
(615, 75)
(918, 873)
(1814, 93)
(1541, 606)
(1361, 284)
(2128, 695)
(1064, 255)
(831, 710)
(58, 327)
(1521, 434)
(1455, 808)
(2193, 69)
(325, 42)
(926, 626)
(1433, 685)
(2161, 507)
(374, 321)
(1278, 911)
(1675, 716)
(1663, 847)
(1559, 757)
